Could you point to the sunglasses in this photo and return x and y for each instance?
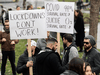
(86, 42)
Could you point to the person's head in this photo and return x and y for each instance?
(78, 13)
(10, 9)
(89, 42)
(33, 46)
(67, 38)
(77, 65)
(48, 33)
(52, 43)
(28, 7)
(31, 6)
(17, 7)
(88, 70)
(43, 7)
(6, 25)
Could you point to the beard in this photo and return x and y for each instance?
(53, 49)
(6, 30)
(86, 48)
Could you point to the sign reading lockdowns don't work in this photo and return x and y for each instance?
(60, 16)
(27, 24)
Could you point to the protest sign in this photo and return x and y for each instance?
(27, 24)
(60, 16)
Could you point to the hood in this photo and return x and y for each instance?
(25, 52)
(40, 58)
(92, 39)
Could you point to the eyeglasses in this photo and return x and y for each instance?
(86, 42)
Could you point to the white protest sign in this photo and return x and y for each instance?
(27, 24)
(60, 16)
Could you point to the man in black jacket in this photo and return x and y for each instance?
(48, 61)
(24, 62)
(91, 55)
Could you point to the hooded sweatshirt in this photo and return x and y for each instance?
(48, 62)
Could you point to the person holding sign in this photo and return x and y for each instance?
(24, 62)
(48, 61)
(7, 47)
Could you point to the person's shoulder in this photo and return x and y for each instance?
(94, 52)
(73, 48)
(69, 72)
(22, 56)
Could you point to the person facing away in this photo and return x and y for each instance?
(48, 61)
(25, 62)
(91, 54)
(41, 43)
(76, 67)
(7, 47)
(70, 51)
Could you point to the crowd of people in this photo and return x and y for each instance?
(45, 59)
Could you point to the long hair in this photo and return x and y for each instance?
(80, 13)
(76, 65)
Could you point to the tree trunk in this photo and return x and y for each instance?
(24, 4)
(94, 14)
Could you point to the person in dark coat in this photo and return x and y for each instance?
(76, 67)
(48, 61)
(79, 27)
(24, 62)
(91, 54)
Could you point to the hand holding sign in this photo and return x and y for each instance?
(29, 64)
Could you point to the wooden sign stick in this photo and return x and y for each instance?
(29, 55)
(58, 39)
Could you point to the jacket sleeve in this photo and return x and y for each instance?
(0, 37)
(56, 65)
(21, 67)
(73, 53)
(96, 69)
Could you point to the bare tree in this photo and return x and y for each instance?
(24, 4)
(94, 15)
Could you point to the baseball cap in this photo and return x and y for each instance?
(33, 43)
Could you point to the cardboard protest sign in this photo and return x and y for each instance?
(60, 16)
(27, 24)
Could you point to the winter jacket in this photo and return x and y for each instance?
(93, 57)
(23, 59)
(6, 46)
(48, 62)
(68, 54)
(69, 72)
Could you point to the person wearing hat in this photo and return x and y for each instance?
(25, 62)
(91, 54)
